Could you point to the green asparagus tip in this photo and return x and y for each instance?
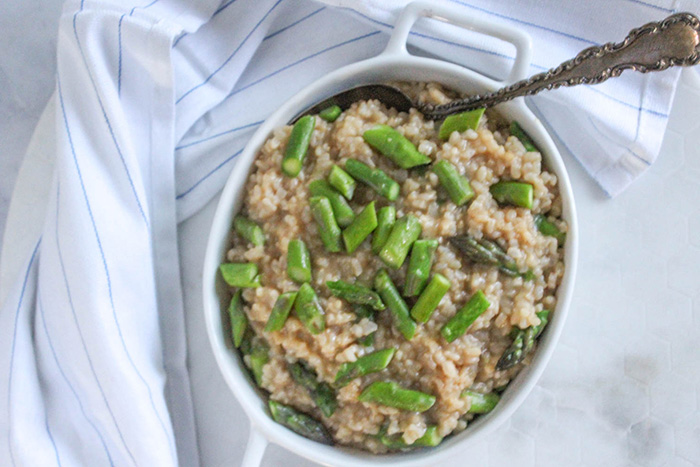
(299, 422)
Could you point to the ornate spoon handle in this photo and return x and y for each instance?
(652, 47)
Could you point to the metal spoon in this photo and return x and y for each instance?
(652, 47)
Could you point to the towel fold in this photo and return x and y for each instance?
(154, 100)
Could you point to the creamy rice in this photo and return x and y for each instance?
(280, 205)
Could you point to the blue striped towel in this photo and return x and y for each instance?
(154, 100)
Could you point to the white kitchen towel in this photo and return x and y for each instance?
(154, 100)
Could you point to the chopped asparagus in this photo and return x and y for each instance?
(457, 186)
(239, 320)
(395, 146)
(419, 266)
(299, 422)
(465, 317)
(298, 261)
(485, 252)
(430, 298)
(523, 343)
(514, 193)
(360, 228)
(397, 306)
(298, 145)
(549, 228)
(321, 393)
(356, 293)
(393, 395)
(376, 179)
(524, 138)
(460, 123)
(342, 211)
(481, 403)
(330, 114)
(249, 230)
(328, 228)
(370, 363)
(431, 438)
(386, 217)
(240, 274)
(342, 181)
(363, 311)
(405, 231)
(280, 311)
(259, 356)
(309, 310)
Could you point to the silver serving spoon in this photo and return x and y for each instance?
(652, 47)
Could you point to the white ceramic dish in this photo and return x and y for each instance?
(393, 64)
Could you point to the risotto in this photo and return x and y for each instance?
(336, 329)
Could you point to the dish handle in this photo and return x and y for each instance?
(255, 449)
(416, 10)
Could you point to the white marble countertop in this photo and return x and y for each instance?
(623, 387)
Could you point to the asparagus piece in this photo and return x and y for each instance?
(321, 393)
(514, 193)
(370, 363)
(240, 274)
(485, 252)
(356, 293)
(363, 311)
(524, 138)
(298, 261)
(481, 403)
(430, 298)
(330, 114)
(366, 341)
(419, 266)
(549, 228)
(280, 311)
(464, 318)
(328, 228)
(298, 145)
(431, 438)
(395, 146)
(249, 230)
(523, 343)
(259, 356)
(460, 123)
(363, 225)
(393, 395)
(376, 179)
(405, 231)
(457, 186)
(342, 181)
(385, 221)
(309, 310)
(239, 320)
(299, 422)
(341, 209)
(398, 308)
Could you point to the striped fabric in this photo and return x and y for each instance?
(154, 100)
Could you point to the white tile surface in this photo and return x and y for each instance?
(623, 387)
